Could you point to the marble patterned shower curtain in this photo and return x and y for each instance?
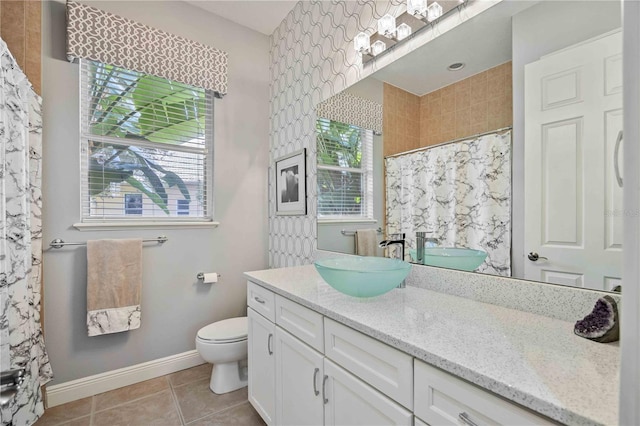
(21, 339)
(461, 192)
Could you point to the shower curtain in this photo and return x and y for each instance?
(460, 192)
(21, 339)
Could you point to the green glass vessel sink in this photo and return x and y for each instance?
(463, 259)
(360, 276)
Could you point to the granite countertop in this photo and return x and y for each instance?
(530, 359)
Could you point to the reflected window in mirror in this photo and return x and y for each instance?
(345, 171)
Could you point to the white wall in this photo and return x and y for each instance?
(174, 304)
(537, 31)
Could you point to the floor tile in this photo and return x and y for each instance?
(129, 393)
(158, 409)
(190, 375)
(241, 415)
(82, 421)
(65, 412)
(196, 400)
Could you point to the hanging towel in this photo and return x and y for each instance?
(114, 283)
(366, 242)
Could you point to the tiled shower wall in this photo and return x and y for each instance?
(401, 120)
(477, 104)
(312, 58)
(20, 28)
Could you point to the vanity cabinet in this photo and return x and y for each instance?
(292, 382)
(306, 369)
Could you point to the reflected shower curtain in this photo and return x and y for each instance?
(461, 192)
(21, 340)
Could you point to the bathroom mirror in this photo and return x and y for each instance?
(513, 155)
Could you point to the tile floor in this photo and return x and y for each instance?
(181, 398)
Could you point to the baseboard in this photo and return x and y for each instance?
(110, 380)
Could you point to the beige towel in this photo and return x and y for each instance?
(366, 242)
(114, 284)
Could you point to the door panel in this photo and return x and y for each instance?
(299, 372)
(573, 203)
(261, 366)
(352, 402)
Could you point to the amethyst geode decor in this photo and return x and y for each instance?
(601, 325)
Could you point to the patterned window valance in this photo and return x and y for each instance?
(104, 37)
(351, 109)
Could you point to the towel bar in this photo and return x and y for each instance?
(345, 232)
(58, 243)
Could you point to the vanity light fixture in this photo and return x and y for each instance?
(403, 31)
(434, 11)
(378, 47)
(362, 43)
(391, 30)
(387, 26)
(417, 8)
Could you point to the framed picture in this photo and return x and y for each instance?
(291, 184)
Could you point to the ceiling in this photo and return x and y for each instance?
(262, 16)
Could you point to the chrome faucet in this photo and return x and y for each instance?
(400, 242)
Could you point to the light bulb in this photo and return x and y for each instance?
(361, 42)
(378, 47)
(417, 7)
(387, 25)
(403, 31)
(434, 11)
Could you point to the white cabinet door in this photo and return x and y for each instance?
(262, 366)
(350, 401)
(298, 382)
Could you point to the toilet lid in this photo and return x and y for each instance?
(232, 329)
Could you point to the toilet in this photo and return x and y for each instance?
(224, 344)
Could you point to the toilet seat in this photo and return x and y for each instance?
(226, 331)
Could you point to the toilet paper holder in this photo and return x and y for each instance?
(200, 276)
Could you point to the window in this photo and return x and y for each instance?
(149, 137)
(132, 203)
(183, 208)
(345, 171)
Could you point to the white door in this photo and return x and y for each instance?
(573, 203)
(262, 366)
(299, 375)
(350, 401)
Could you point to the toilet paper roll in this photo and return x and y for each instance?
(211, 277)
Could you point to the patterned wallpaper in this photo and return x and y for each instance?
(348, 108)
(312, 58)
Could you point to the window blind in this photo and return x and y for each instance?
(147, 135)
(345, 171)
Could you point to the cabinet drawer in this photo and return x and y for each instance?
(383, 367)
(443, 399)
(302, 322)
(262, 301)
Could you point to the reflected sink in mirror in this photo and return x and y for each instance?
(462, 259)
(360, 276)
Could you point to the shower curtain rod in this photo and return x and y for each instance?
(424, 148)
